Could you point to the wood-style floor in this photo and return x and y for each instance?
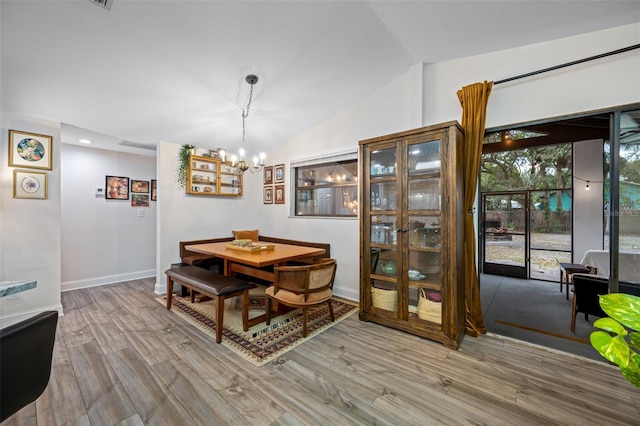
(122, 358)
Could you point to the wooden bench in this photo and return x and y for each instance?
(216, 286)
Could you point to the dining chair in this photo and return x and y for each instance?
(302, 286)
(26, 352)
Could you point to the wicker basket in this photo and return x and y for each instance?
(428, 309)
(384, 299)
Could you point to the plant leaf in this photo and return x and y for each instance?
(632, 371)
(613, 348)
(624, 308)
(634, 339)
(610, 325)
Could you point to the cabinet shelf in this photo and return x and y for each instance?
(211, 177)
(406, 225)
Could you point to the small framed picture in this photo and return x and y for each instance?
(117, 188)
(30, 150)
(279, 194)
(268, 195)
(268, 175)
(140, 200)
(154, 190)
(140, 186)
(28, 184)
(279, 173)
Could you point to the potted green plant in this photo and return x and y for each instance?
(620, 340)
(185, 152)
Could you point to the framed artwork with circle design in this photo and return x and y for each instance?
(28, 184)
(30, 150)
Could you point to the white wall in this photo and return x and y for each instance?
(588, 225)
(602, 83)
(29, 230)
(104, 241)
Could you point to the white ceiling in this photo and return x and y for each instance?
(149, 71)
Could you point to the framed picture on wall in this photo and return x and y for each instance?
(30, 150)
(27, 184)
(154, 190)
(268, 195)
(140, 200)
(140, 186)
(117, 188)
(279, 197)
(268, 175)
(279, 173)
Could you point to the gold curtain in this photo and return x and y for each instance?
(473, 99)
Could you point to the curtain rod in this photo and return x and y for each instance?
(568, 64)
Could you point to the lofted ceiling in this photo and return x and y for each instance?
(149, 71)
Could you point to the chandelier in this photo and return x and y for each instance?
(241, 165)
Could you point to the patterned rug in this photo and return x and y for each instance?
(261, 343)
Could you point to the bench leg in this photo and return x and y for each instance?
(245, 310)
(169, 291)
(219, 317)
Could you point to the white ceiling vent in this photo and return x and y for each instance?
(137, 145)
(105, 4)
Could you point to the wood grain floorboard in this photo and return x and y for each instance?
(121, 358)
(105, 399)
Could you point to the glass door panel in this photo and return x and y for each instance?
(384, 196)
(424, 194)
(383, 163)
(423, 157)
(551, 224)
(629, 199)
(504, 234)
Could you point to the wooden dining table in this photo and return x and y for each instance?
(255, 263)
(251, 262)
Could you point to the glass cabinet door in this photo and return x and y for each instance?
(424, 202)
(385, 265)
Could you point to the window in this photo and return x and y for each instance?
(326, 187)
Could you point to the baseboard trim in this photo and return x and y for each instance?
(7, 320)
(108, 279)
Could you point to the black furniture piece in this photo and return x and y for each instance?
(586, 289)
(26, 351)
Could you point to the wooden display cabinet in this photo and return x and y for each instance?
(210, 176)
(412, 232)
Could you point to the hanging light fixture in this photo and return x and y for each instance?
(241, 165)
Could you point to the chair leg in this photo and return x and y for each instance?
(268, 308)
(573, 313)
(333, 318)
(304, 322)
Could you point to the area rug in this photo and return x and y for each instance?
(261, 343)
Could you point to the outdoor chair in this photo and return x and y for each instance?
(586, 291)
(303, 287)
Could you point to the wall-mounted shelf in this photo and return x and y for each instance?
(210, 176)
